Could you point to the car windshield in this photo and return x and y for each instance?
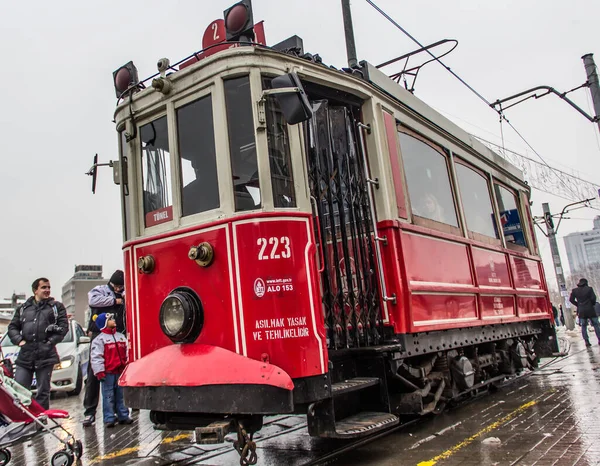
(67, 339)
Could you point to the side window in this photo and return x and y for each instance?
(79, 331)
(156, 172)
(510, 217)
(198, 159)
(475, 196)
(282, 180)
(428, 181)
(242, 145)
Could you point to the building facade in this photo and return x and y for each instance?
(583, 249)
(75, 291)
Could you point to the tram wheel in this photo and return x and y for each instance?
(63, 458)
(5, 456)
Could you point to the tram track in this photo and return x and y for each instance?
(325, 459)
(335, 453)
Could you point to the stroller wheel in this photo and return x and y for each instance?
(78, 449)
(63, 458)
(5, 456)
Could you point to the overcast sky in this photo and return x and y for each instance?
(58, 98)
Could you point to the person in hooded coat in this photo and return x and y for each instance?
(584, 298)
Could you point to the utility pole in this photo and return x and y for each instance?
(349, 33)
(592, 79)
(560, 277)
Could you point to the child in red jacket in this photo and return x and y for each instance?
(108, 358)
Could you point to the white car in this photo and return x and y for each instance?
(74, 352)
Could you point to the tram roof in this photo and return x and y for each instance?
(373, 80)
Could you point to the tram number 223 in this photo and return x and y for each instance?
(274, 248)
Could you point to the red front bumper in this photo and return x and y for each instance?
(206, 379)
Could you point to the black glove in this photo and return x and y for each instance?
(53, 328)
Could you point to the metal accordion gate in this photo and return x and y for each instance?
(343, 228)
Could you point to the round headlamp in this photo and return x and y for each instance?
(181, 316)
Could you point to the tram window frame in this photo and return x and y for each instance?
(272, 110)
(212, 163)
(419, 219)
(474, 235)
(124, 188)
(519, 208)
(169, 215)
(234, 124)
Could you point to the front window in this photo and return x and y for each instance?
(428, 181)
(510, 218)
(282, 180)
(475, 196)
(242, 144)
(156, 172)
(198, 158)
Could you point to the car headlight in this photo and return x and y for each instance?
(64, 363)
(181, 315)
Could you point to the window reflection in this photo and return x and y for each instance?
(476, 201)
(510, 218)
(428, 181)
(282, 180)
(242, 145)
(195, 130)
(156, 172)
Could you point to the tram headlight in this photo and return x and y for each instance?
(181, 316)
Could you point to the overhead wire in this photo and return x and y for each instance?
(481, 97)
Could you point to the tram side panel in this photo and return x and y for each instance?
(442, 284)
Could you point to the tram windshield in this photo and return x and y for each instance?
(282, 181)
(156, 172)
(242, 144)
(200, 183)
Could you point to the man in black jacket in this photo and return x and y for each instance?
(36, 327)
(584, 298)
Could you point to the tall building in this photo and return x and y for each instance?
(75, 291)
(7, 309)
(583, 248)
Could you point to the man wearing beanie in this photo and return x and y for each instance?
(108, 360)
(107, 298)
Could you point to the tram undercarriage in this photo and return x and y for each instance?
(374, 388)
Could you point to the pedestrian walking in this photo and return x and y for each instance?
(584, 298)
(109, 298)
(37, 326)
(109, 358)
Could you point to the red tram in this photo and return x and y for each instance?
(302, 239)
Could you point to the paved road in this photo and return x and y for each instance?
(549, 418)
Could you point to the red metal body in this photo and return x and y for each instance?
(287, 314)
(260, 295)
(448, 282)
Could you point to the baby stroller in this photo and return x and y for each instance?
(19, 422)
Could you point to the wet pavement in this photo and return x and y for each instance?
(550, 417)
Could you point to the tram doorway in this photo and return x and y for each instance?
(343, 228)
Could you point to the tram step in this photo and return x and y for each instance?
(365, 423)
(352, 385)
